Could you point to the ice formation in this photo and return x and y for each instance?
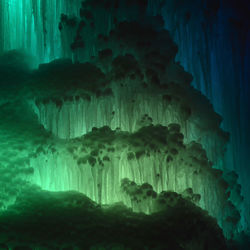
(110, 112)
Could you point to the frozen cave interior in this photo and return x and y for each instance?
(106, 141)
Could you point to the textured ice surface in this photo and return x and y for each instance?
(128, 79)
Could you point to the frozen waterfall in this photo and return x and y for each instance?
(213, 45)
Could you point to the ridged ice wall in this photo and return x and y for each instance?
(32, 25)
(96, 165)
(128, 109)
(213, 41)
